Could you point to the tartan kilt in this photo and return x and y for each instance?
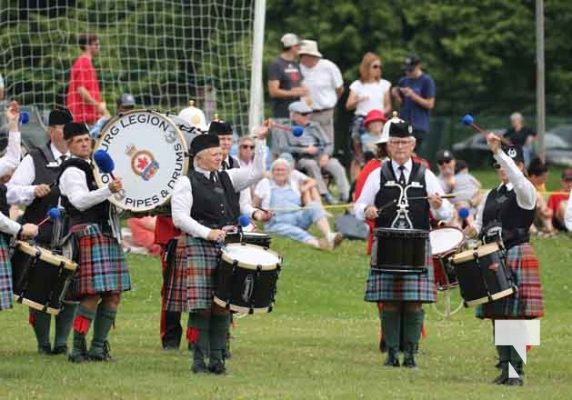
(527, 302)
(190, 285)
(383, 286)
(6, 292)
(102, 264)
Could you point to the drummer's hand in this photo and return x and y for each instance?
(216, 234)
(262, 131)
(494, 142)
(13, 116)
(262, 215)
(435, 200)
(371, 212)
(115, 185)
(29, 231)
(470, 231)
(41, 190)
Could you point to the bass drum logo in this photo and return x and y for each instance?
(143, 162)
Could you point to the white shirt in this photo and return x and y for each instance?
(182, 197)
(11, 158)
(322, 81)
(20, 188)
(524, 189)
(73, 185)
(371, 187)
(376, 91)
(264, 188)
(568, 214)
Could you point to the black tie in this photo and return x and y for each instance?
(401, 175)
(212, 177)
(63, 157)
(502, 190)
(225, 166)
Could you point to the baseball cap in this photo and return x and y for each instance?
(299, 107)
(567, 175)
(410, 62)
(126, 100)
(443, 155)
(290, 40)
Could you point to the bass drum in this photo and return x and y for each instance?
(149, 152)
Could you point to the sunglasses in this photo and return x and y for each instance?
(376, 66)
(246, 146)
(305, 114)
(441, 162)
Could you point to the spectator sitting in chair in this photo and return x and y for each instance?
(282, 196)
(373, 123)
(558, 201)
(538, 175)
(313, 153)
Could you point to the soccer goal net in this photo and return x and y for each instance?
(164, 52)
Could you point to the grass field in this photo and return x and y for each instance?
(320, 342)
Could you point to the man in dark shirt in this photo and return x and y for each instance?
(521, 136)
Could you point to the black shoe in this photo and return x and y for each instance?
(63, 349)
(45, 349)
(199, 367)
(391, 360)
(409, 361)
(382, 346)
(217, 368)
(501, 379)
(514, 382)
(104, 356)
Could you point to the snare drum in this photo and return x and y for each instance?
(399, 250)
(149, 153)
(246, 278)
(482, 274)
(40, 278)
(444, 243)
(253, 238)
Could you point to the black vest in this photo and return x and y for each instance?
(214, 204)
(503, 210)
(4, 209)
(418, 209)
(97, 214)
(44, 174)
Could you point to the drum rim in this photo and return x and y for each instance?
(263, 267)
(494, 297)
(450, 250)
(46, 255)
(109, 123)
(35, 305)
(467, 255)
(240, 309)
(424, 231)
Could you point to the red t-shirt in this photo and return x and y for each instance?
(83, 74)
(555, 199)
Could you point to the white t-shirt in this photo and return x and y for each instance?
(322, 81)
(376, 92)
(1, 82)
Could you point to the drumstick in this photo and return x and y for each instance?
(469, 121)
(53, 213)
(444, 196)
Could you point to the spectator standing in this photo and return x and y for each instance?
(369, 92)
(83, 97)
(521, 135)
(415, 92)
(325, 86)
(126, 102)
(285, 82)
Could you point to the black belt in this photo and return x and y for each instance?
(322, 110)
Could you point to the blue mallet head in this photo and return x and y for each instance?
(103, 161)
(54, 213)
(467, 120)
(297, 130)
(464, 213)
(24, 117)
(244, 220)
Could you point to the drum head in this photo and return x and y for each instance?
(149, 153)
(444, 240)
(250, 257)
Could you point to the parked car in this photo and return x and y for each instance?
(475, 151)
(563, 131)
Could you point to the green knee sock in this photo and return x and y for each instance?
(218, 337)
(102, 324)
(198, 329)
(64, 322)
(40, 322)
(516, 361)
(391, 326)
(81, 325)
(504, 358)
(412, 326)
